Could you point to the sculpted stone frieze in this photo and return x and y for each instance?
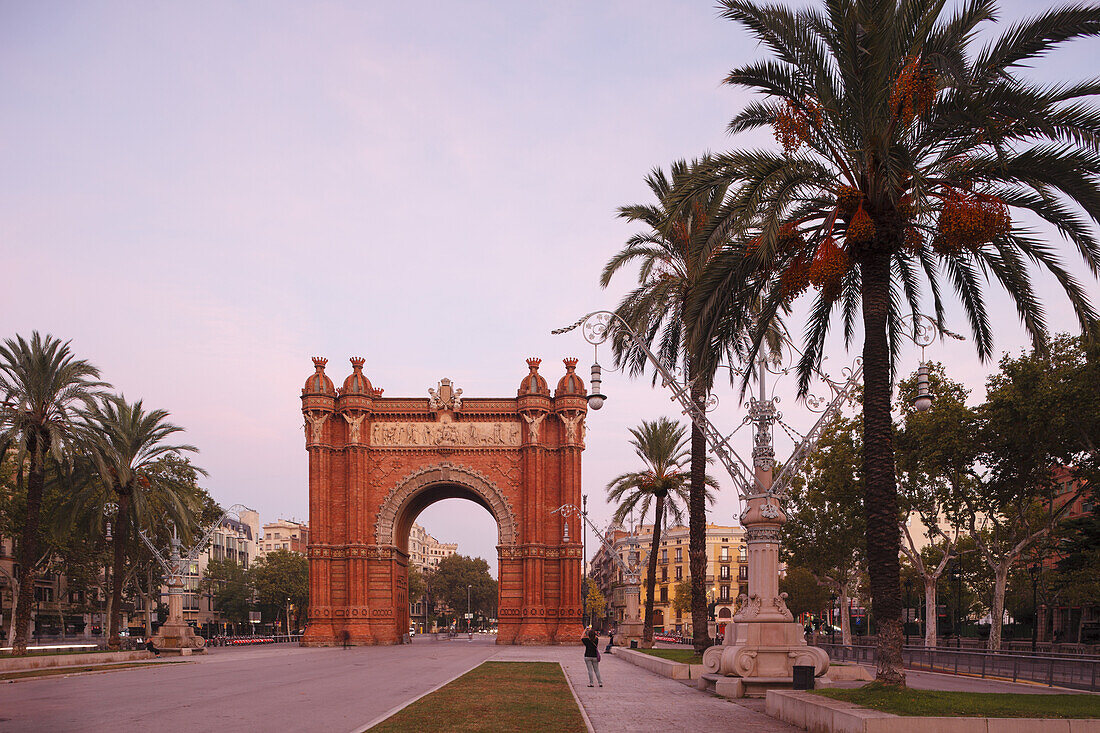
(476, 435)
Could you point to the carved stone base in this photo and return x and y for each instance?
(764, 650)
(628, 631)
(178, 638)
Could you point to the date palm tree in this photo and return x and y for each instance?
(672, 253)
(662, 484)
(910, 160)
(42, 387)
(127, 446)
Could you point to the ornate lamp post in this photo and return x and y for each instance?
(630, 628)
(175, 634)
(1033, 570)
(908, 607)
(764, 644)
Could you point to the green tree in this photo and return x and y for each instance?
(594, 600)
(672, 253)
(805, 593)
(279, 578)
(126, 444)
(824, 530)
(227, 582)
(936, 453)
(457, 575)
(681, 601)
(909, 157)
(1019, 498)
(42, 388)
(660, 445)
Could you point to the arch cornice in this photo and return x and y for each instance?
(445, 472)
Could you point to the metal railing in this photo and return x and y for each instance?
(1049, 669)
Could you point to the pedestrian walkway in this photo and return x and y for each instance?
(633, 699)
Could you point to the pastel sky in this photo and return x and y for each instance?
(204, 195)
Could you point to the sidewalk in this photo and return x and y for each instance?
(633, 699)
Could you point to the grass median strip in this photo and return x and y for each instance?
(684, 656)
(496, 696)
(940, 703)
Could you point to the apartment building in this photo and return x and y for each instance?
(425, 552)
(283, 534)
(727, 571)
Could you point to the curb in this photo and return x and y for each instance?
(580, 705)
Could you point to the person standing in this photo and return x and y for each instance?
(592, 656)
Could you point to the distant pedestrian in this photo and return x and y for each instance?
(150, 647)
(610, 641)
(592, 656)
(345, 637)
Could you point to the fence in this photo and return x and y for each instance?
(1049, 669)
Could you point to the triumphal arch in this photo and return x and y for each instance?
(376, 462)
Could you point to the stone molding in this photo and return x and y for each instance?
(445, 473)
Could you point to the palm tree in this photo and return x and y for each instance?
(660, 446)
(673, 252)
(42, 386)
(127, 447)
(908, 158)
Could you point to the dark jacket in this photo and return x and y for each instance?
(590, 649)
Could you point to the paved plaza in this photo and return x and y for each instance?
(289, 688)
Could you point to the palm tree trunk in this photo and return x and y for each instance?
(651, 577)
(28, 548)
(118, 574)
(880, 499)
(697, 530)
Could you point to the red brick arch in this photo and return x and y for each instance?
(376, 462)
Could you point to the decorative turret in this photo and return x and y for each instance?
(318, 382)
(357, 382)
(533, 383)
(571, 383)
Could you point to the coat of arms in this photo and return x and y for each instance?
(446, 397)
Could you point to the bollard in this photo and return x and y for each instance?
(803, 677)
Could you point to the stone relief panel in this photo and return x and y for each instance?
(474, 435)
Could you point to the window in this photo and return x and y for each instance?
(679, 554)
(742, 554)
(664, 574)
(679, 573)
(724, 572)
(664, 594)
(743, 572)
(664, 555)
(725, 593)
(725, 554)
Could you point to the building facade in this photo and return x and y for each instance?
(727, 572)
(283, 534)
(425, 552)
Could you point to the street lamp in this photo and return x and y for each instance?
(288, 618)
(956, 575)
(1033, 570)
(908, 607)
(469, 615)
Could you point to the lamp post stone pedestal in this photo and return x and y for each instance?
(763, 644)
(175, 635)
(630, 628)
